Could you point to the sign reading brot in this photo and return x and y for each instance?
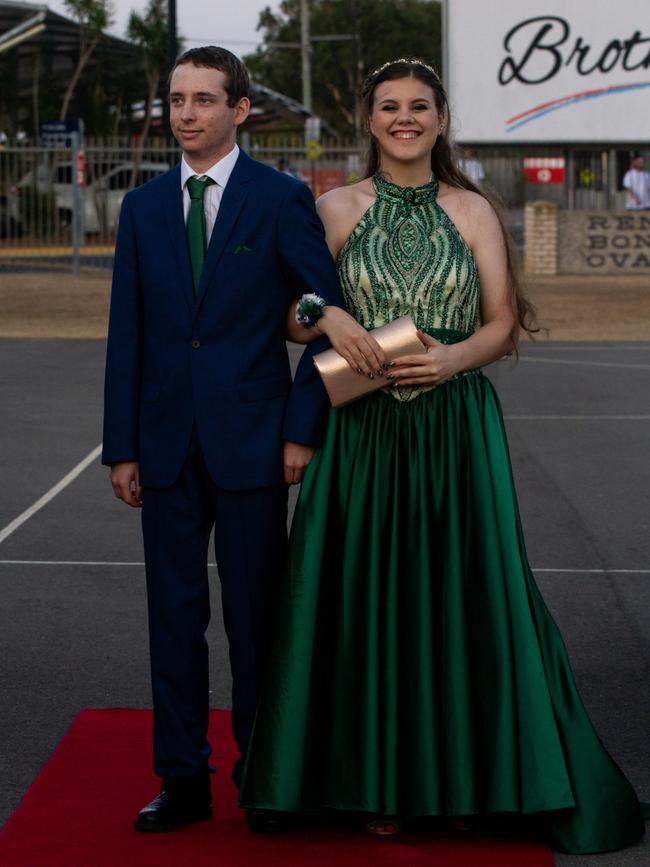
(557, 71)
(604, 242)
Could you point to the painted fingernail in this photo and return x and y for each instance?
(371, 376)
(380, 372)
(391, 364)
(389, 376)
(359, 370)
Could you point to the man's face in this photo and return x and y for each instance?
(202, 122)
(638, 163)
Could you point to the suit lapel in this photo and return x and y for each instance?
(173, 209)
(232, 202)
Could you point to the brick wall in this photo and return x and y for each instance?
(541, 234)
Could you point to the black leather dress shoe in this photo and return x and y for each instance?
(268, 821)
(182, 800)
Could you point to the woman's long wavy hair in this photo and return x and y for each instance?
(445, 169)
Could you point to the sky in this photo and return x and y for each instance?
(200, 22)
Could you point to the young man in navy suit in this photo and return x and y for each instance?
(204, 427)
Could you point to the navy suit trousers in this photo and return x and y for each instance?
(250, 535)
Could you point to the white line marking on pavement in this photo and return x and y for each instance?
(70, 563)
(45, 499)
(578, 417)
(599, 571)
(77, 563)
(118, 563)
(612, 347)
(585, 363)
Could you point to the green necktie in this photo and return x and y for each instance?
(195, 228)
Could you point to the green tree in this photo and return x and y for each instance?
(149, 33)
(93, 17)
(385, 29)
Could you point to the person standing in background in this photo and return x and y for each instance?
(472, 167)
(636, 183)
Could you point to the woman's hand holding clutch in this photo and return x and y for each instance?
(398, 338)
(435, 366)
(353, 342)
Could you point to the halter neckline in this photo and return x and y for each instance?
(405, 195)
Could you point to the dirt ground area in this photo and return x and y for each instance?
(591, 308)
(54, 304)
(59, 304)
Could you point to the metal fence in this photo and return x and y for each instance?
(39, 211)
(45, 193)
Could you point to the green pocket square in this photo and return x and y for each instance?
(243, 248)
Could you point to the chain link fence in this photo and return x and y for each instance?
(59, 207)
(47, 193)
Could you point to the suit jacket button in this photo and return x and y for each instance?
(196, 343)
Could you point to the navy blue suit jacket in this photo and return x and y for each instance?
(218, 360)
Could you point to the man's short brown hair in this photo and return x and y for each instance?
(210, 56)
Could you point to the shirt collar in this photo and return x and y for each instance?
(220, 172)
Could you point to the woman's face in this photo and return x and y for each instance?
(404, 119)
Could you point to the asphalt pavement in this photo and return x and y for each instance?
(73, 630)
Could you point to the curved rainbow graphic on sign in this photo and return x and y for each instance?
(538, 111)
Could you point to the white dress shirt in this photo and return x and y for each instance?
(219, 173)
(473, 169)
(637, 180)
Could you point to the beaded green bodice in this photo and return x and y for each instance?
(405, 257)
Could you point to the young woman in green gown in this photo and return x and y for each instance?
(416, 671)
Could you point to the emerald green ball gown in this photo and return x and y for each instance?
(415, 668)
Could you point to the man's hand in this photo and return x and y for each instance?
(125, 479)
(296, 458)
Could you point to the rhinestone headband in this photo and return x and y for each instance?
(410, 61)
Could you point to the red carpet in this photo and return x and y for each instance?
(80, 809)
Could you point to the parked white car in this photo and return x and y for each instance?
(101, 198)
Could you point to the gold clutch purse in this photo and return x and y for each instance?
(344, 384)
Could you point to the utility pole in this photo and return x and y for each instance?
(356, 65)
(305, 49)
(304, 46)
(172, 47)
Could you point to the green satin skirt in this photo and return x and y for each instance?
(415, 668)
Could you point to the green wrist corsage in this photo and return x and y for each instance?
(310, 309)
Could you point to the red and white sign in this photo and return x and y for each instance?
(544, 170)
(81, 168)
